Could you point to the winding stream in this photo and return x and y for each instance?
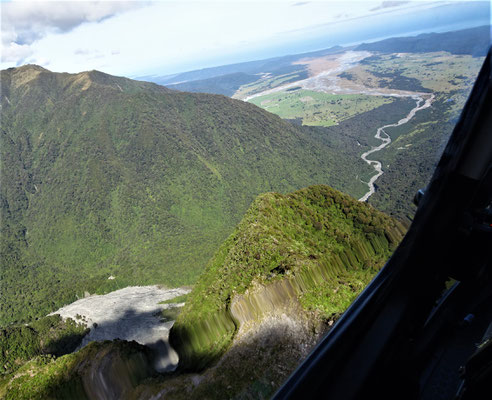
(329, 81)
(386, 140)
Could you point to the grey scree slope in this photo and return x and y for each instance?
(129, 314)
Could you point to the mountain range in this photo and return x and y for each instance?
(109, 177)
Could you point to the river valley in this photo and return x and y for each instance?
(386, 140)
(326, 77)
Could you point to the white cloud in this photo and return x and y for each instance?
(166, 33)
(15, 53)
(390, 4)
(160, 37)
(25, 22)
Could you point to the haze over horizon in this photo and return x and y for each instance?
(145, 38)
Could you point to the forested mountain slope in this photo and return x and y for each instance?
(290, 268)
(108, 177)
(473, 41)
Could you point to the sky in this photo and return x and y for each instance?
(137, 38)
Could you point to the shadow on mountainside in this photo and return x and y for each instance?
(254, 367)
(147, 328)
(258, 362)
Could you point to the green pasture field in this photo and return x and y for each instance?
(317, 108)
(267, 82)
(438, 72)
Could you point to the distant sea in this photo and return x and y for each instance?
(450, 16)
(422, 17)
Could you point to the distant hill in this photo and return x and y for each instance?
(473, 41)
(278, 65)
(275, 66)
(224, 84)
(105, 176)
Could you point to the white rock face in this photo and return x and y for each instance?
(129, 314)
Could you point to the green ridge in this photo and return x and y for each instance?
(122, 366)
(324, 243)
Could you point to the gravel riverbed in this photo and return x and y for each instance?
(132, 313)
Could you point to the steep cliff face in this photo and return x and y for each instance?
(316, 248)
